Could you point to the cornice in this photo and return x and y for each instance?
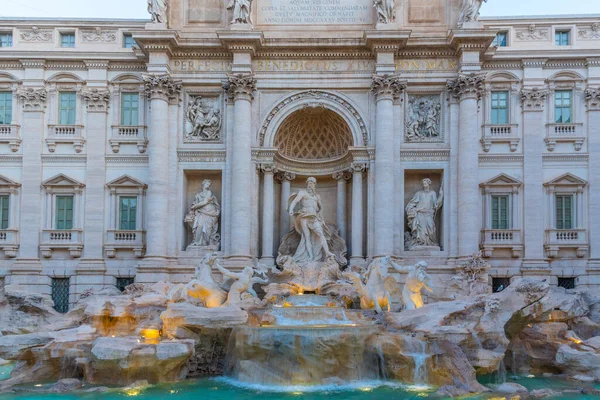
(6, 159)
(425, 155)
(500, 159)
(64, 159)
(126, 159)
(566, 158)
(127, 66)
(207, 156)
(8, 64)
(241, 41)
(66, 65)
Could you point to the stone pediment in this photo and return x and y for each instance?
(8, 183)
(567, 179)
(502, 180)
(126, 181)
(61, 180)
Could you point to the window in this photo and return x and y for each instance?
(127, 213)
(500, 212)
(122, 283)
(561, 38)
(67, 104)
(64, 212)
(5, 108)
(128, 41)
(501, 39)
(500, 108)
(499, 284)
(564, 211)
(67, 39)
(60, 294)
(129, 109)
(4, 211)
(563, 106)
(567, 283)
(5, 39)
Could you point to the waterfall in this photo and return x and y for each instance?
(501, 374)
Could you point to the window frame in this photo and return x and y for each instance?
(563, 107)
(63, 223)
(63, 34)
(126, 186)
(5, 213)
(10, 188)
(129, 212)
(572, 217)
(498, 107)
(71, 110)
(62, 185)
(6, 104)
(502, 185)
(54, 289)
(564, 33)
(567, 185)
(497, 43)
(123, 96)
(129, 36)
(497, 219)
(10, 39)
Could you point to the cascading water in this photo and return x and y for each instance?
(418, 351)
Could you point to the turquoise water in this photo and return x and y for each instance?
(5, 371)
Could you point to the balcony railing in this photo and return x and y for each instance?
(9, 242)
(505, 133)
(65, 134)
(134, 240)
(502, 239)
(10, 134)
(69, 239)
(125, 134)
(571, 133)
(566, 238)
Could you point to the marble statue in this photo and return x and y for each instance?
(158, 10)
(417, 280)
(375, 286)
(423, 120)
(204, 217)
(242, 284)
(386, 10)
(421, 211)
(241, 11)
(469, 11)
(204, 287)
(204, 120)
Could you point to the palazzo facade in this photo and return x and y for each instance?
(110, 129)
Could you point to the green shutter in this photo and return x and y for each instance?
(4, 212)
(564, 212)
(130, 109)
(64, 212)
(500, 108)
(67, 105)
(500, 212)
(5, 108)
(128, 214)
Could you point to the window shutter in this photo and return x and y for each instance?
(4, 212)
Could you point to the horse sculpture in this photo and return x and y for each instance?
(375, 287)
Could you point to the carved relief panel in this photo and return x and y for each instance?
(203, 118)
(423, 119)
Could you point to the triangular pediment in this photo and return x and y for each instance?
(4, 182)
(502, 180)
(62, 180)
(126, 181)
(567, 179)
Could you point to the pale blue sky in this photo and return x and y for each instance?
(137, 8)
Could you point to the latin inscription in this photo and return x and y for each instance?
(314, 12)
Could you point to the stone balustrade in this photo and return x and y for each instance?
(557, 239)
(65, 134)
(134, 240)
(511, 239)
(505, 133)
(68, 239)
(9, 242)
(128, 134)
(570, 133)
(10, 134)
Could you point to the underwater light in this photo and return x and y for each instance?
(38, 385)
(366, 389)
(531, 376)
(133, 392)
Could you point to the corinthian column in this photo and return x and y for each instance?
(385, 88)
(357, 257)
(159, 89)
(241, 88)
(593, 102)
(342, 183)
(467, 89)
(267, 215)
(286, 179)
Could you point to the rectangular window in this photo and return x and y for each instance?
(60, 294)
(4, 211)
(500, 108)
(122, 283)
(5, 108)
(127, 213)
(501, 39)
(128, 41)
(564, 211)
(64, 212)
(66, 108)
(5, 39)
(499, 284)
(130, 104)
(567, 283)
(563, 106)
(561, 38)
(67, 39)
(500, 212)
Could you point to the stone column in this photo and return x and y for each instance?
(267, 215)
(593, 108)
(385, 88)
(241, 87)
(342, 184)
(284, 217)
(534, 102)
(159, 88)
(468, 89)
(357, 256)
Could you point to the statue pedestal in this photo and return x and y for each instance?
(155, 26)
(200, 250)
(424, 251)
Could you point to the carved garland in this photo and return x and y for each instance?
(313, 94)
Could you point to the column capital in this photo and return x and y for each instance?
(358, 167)
(388, 87)
(33, 99)
(342, 175)
(161, 87)
(534, 99)
(285, 176)
(266, 168)
(96, 100)
(467, 86)
(592, 96)
(240, 86)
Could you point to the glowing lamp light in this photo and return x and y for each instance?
(133, 392)
(298, 393)
(366, 389)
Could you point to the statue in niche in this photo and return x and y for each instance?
(423, 119)
(417, 280)
(386, 10)
(204, 217)
(421, 212)
(204, 119)
(469, 11)
(158, 10)
(241, 11)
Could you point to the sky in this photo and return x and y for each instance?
(137, 8)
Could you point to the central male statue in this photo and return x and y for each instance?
(310, 224)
